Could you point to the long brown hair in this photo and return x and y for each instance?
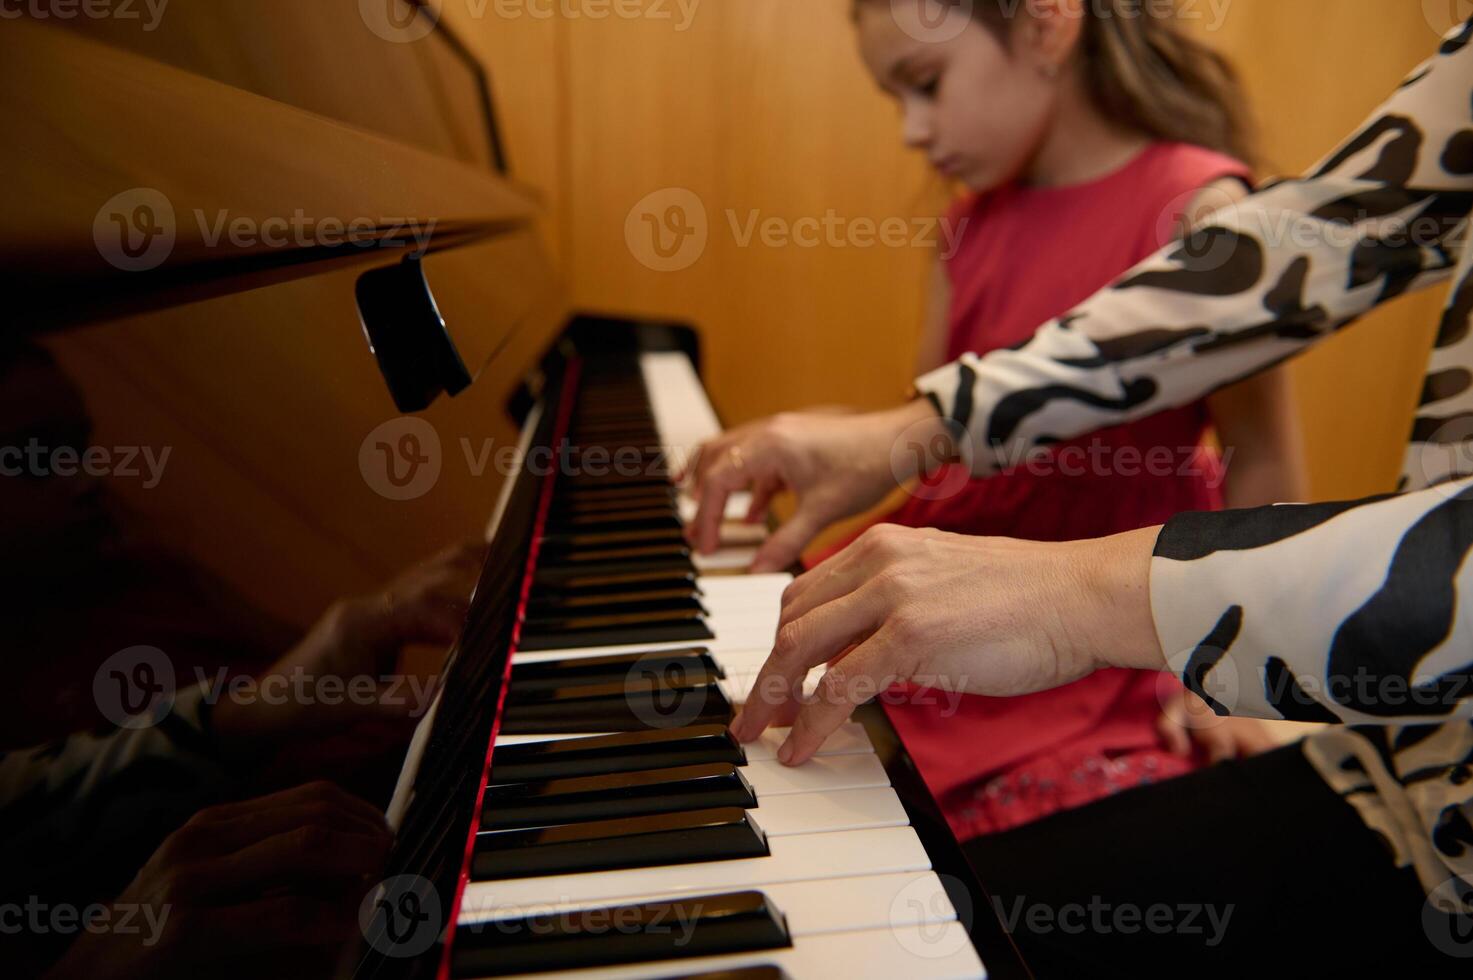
(1145, 72)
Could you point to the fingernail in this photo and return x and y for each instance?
(736, 724)
(785, 752)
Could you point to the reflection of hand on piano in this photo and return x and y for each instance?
(332, 697)
(836, 465)
(274, 883)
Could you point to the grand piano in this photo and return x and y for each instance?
(572, 803)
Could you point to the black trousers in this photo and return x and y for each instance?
(1246, 869)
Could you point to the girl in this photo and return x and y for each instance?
(1089, 134)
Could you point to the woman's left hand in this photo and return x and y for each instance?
(981, 615)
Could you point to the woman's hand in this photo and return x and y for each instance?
(265, 881)
(1187, 724)
(836, 465)
(980, 615)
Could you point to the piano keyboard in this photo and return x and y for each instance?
(622, 832)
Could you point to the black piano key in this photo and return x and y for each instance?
(620, 709)
(562, 574)
(709, 925)
(597, 606)
(571, 603)
(691, 837)
(670, 666)
(558, 801)
(763, 972)
(560, 542)
(610, 520)
(594, 497)
(576, 585)
(692, 630)
(613, 615)
(624, 752)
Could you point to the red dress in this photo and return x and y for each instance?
(1025, 256)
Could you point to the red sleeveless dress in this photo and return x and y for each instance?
(1025, 256)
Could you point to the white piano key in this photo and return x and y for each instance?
(939, 951)
(827, 813)
(768, 583)
(809, 857)
(850, 739)
(746, 641)
(737, 559)
(825, 774)
(734, 514)
(811, 907)
(682, 412)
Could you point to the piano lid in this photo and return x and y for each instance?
(137, 185)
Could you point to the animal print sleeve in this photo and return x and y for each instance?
(1354, 613)
(1258, 283)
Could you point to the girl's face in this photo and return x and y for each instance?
(978, 107)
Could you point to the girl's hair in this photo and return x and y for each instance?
(1145, 72)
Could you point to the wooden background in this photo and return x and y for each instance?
(756, 106)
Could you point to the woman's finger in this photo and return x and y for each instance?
(784, 547)
(762, 493)
(707, 454)
(800, 647)
(844, 686)
(721, 481)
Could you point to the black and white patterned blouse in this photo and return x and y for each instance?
(1358, 613)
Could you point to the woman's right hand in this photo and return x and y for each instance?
(836, 465)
